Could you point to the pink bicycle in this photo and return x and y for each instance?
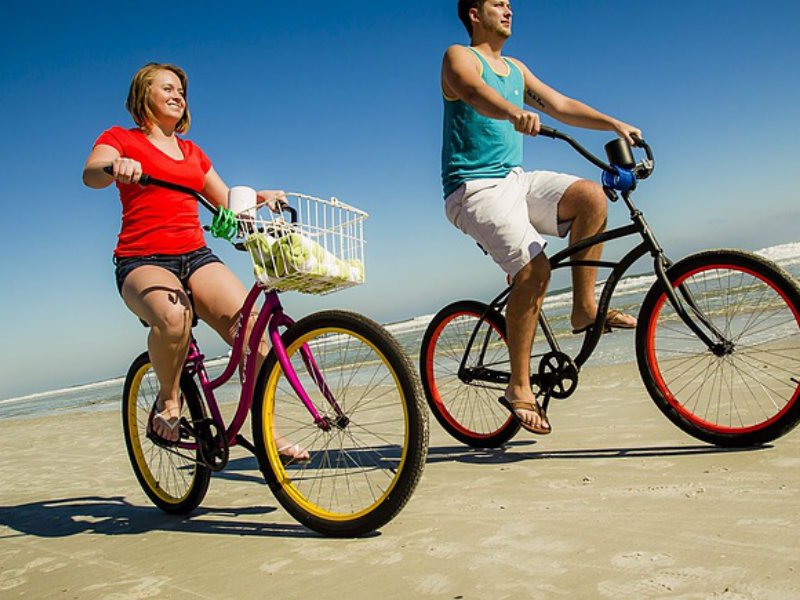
(334, 383)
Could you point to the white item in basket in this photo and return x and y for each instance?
(242, 201)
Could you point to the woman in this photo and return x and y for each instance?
(161, 250)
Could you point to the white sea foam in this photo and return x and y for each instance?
(412, 324)
(69, 390)
(784, 254)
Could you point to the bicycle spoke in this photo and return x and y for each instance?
(746, 382)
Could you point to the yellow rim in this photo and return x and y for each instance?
(138, 452)
(284, 478)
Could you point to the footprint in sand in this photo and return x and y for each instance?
(641, 560)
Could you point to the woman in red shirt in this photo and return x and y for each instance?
(161, 250)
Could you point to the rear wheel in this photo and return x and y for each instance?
(467, 406)
(744, 391)
(365, 465)
(171, 477)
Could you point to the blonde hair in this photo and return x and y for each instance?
(140, 90)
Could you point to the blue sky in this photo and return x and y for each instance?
(332, 98)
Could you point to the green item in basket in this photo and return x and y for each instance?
(295, 254)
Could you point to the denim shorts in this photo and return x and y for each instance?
(180, 265)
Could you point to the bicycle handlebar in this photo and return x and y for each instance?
(146, 180)
(641, 170)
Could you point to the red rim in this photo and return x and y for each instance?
(434, 390)
(656, 371)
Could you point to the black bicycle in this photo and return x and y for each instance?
(717, 343)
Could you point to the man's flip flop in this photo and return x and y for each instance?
(614, 319)
(531, 406)
(171, 425)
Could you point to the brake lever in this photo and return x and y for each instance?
(643, 169)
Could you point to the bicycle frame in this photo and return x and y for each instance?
(564, 259)
(270, 318)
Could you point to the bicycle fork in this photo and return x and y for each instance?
(279, 319)
(661, 263)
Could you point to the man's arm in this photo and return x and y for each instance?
(567, 110)
(461, 78)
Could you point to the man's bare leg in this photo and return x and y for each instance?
(584, 203)
(522, 314)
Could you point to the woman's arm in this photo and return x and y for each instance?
(217, 192)
(126, 170)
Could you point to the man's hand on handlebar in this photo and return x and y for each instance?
(526, 122)
(632, 135)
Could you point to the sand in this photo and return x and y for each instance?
(616, 503)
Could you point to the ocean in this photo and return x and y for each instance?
(615, 348)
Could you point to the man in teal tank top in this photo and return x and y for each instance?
(505, 209)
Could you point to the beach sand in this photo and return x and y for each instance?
(616, 503)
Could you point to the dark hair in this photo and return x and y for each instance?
(464, 6)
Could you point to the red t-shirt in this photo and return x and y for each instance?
(155, 220)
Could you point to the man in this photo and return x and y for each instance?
(489, 197)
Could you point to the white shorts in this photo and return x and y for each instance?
(507, 216)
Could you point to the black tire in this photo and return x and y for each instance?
(176, 484)
(746, 395)
(363, 472)
(470, 412)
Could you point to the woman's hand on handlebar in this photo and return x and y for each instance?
(632, 135)
(126, 170)
(274, 199)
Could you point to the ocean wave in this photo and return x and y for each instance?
(783, 254)
(118, 381)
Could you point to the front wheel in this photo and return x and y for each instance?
(365, 463)
(171, 477)
(744, 390)
(465, 402)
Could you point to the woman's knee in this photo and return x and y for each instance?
(173, 319)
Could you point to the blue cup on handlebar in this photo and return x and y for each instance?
(621, 159)
(621, 179)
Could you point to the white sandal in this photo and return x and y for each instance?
(294, 457)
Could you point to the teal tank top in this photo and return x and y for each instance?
(478, 147)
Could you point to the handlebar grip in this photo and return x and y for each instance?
(292, 212)
(547, 131)
(143, 180)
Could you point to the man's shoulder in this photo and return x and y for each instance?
(458, 54)
(456, 50)
(516, 61)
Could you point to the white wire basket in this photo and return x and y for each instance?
(320, 253)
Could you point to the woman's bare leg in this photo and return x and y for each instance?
(157, 297)
(218, 298)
